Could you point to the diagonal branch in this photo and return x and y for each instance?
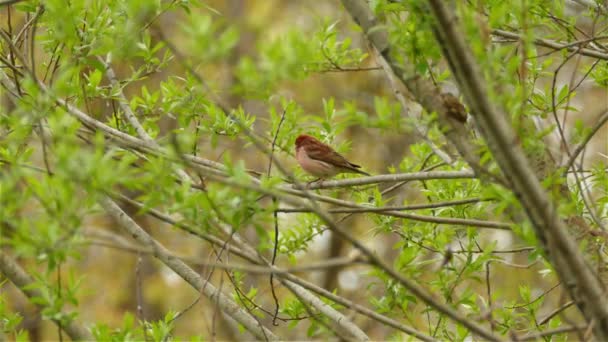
(344, 326)
(225, 304)
(124, 104)
(578, 149)
(249, 254)
(584, 287)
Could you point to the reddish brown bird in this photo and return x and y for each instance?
(320, 160)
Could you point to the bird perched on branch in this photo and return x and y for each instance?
(320, 160)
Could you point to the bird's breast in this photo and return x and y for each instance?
(315, 167)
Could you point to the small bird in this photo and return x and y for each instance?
(320, 160)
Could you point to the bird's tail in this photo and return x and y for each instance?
(354, 168)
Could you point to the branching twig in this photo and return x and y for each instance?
(555, 45)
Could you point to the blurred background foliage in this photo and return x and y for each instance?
(303, 66)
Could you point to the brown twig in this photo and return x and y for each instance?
(573, 47)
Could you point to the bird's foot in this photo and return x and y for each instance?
(320, 180)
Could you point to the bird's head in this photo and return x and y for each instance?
(303, 139)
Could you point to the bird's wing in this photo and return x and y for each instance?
(328, 155)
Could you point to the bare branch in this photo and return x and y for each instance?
(555, 45)
(547, 333)
(555, 312)
(247, 268)
(391, 178)
(391, 208)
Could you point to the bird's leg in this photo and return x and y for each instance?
(313, 181)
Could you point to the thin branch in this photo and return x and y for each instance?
(574, 47)
(542, 295)
(26, 26)
(247, 268)
(391, 178)
(437, 219)
(560, 130)
(489, 294)
(131, 118)
(326, 218)
(342, 69)
(600, 122)
(275, 217)
(124, 104)
(555, 312)
(547, 333)
(391, 208)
